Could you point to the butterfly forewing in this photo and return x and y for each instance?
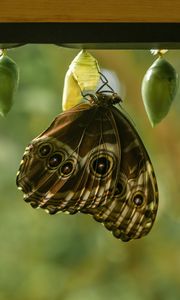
(89, 156)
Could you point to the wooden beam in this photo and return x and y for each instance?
(90, 11)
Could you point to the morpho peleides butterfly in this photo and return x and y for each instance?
(92, 160)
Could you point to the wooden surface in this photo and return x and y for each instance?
(89, 11)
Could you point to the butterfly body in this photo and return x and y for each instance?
(92, 160)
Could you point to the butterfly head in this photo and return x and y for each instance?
(103, 99)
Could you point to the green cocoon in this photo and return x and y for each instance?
(159, 87)
(8, 83)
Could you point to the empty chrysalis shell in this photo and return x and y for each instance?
(82, 75)
(8, 83)
(159, 87)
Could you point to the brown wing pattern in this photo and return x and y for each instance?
(92, 160)
(132, 211)
(73, 164)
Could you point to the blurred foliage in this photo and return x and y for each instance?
(65, 257)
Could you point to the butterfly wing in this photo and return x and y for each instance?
(73, 165)
(91, 159)
(130, 214)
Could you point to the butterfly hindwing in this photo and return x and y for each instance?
(132, 212)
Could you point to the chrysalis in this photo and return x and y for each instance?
(8, 83)
(159, 87)
(83, 76)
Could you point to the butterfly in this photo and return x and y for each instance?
(92, 160)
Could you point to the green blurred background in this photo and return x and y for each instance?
(73, 257)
